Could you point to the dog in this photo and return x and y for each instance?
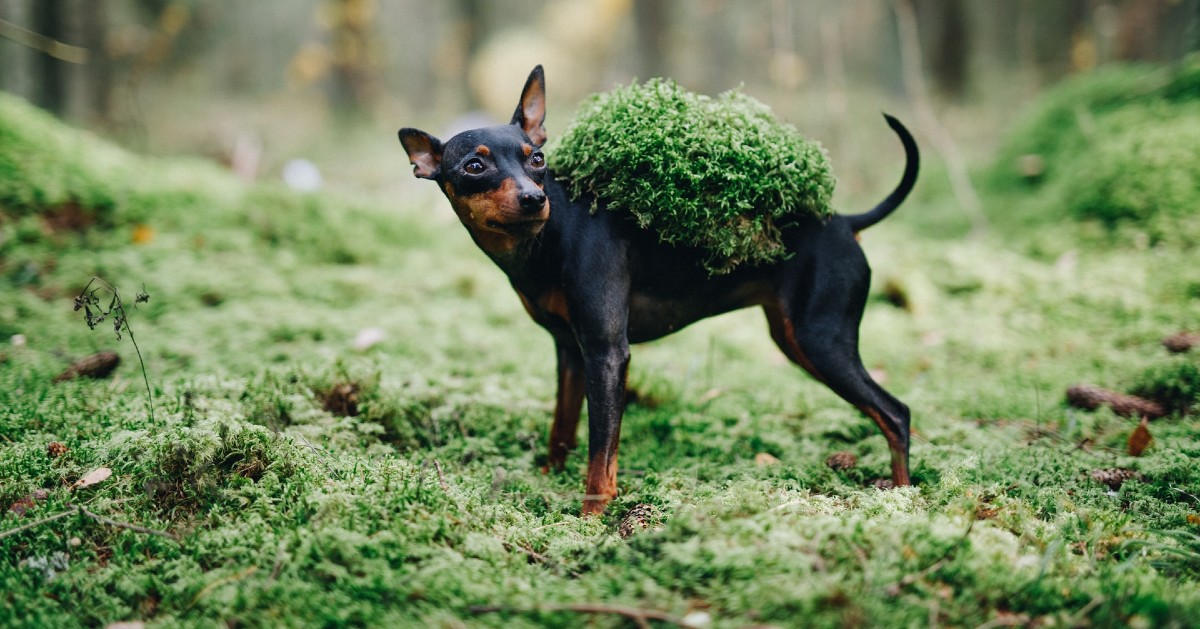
(597, 282)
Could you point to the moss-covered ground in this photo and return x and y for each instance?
(288, 478)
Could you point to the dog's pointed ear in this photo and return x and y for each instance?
(424, 151)
(531, 111)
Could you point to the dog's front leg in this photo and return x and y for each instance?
(606, 366)
(568, 403)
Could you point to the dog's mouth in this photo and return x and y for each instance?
(519, 229)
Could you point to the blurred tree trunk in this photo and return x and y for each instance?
(946, 43)
(1156, 30)
(473, 21)
(650, 21)
(354, 80)
(50, 20)
(1059, 28)
(8, 68)
(97, 74)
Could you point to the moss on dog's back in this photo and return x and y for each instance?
(721, 174)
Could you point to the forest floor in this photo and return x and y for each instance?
(350, 410)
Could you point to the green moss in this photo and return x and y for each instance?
(44, 166)
(429, 505)
(721, 174)
(1120, 146)
(1175, 384)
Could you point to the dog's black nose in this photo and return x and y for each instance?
(532, 200)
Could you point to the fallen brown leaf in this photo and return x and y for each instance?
(91, 478)
(1140, 438)
(28, 502)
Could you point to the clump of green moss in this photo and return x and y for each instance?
(1120, 146)
(1174, 384)
(721, 174)
(44, 166)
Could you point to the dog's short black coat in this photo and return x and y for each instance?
(597, 282)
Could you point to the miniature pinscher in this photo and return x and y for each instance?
(597, 282)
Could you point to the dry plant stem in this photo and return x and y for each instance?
(26, 527)
(943, 143)
(126, 525)
(95, 516)
(118, 308)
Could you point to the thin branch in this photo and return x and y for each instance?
(41, 43)
(40, 522)
(95, 516)
(126, 525)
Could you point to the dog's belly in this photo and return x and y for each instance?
(653, 316)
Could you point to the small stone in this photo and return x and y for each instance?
(368, 338)
(763, 459)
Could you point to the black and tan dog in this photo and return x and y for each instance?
(597, 282)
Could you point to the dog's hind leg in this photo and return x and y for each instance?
(815, 322)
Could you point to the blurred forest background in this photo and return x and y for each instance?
(254, 84)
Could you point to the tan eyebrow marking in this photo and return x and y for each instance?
(525, 148)
(483, 150)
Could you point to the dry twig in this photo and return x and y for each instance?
(95, 516)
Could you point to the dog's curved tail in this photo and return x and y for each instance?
(859, 222)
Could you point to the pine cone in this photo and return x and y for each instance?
(94, 366)
(56, 449)
(839, 461)
(1090, 397)
(1181, 341)
(1115, 477)
(636, 519)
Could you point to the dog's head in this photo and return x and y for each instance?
(493, 176)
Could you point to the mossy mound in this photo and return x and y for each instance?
(56, 179)
(721, 174)
(1120, 146)
(1174, 384)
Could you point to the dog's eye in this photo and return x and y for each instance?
(537, 160)
(474, 167)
